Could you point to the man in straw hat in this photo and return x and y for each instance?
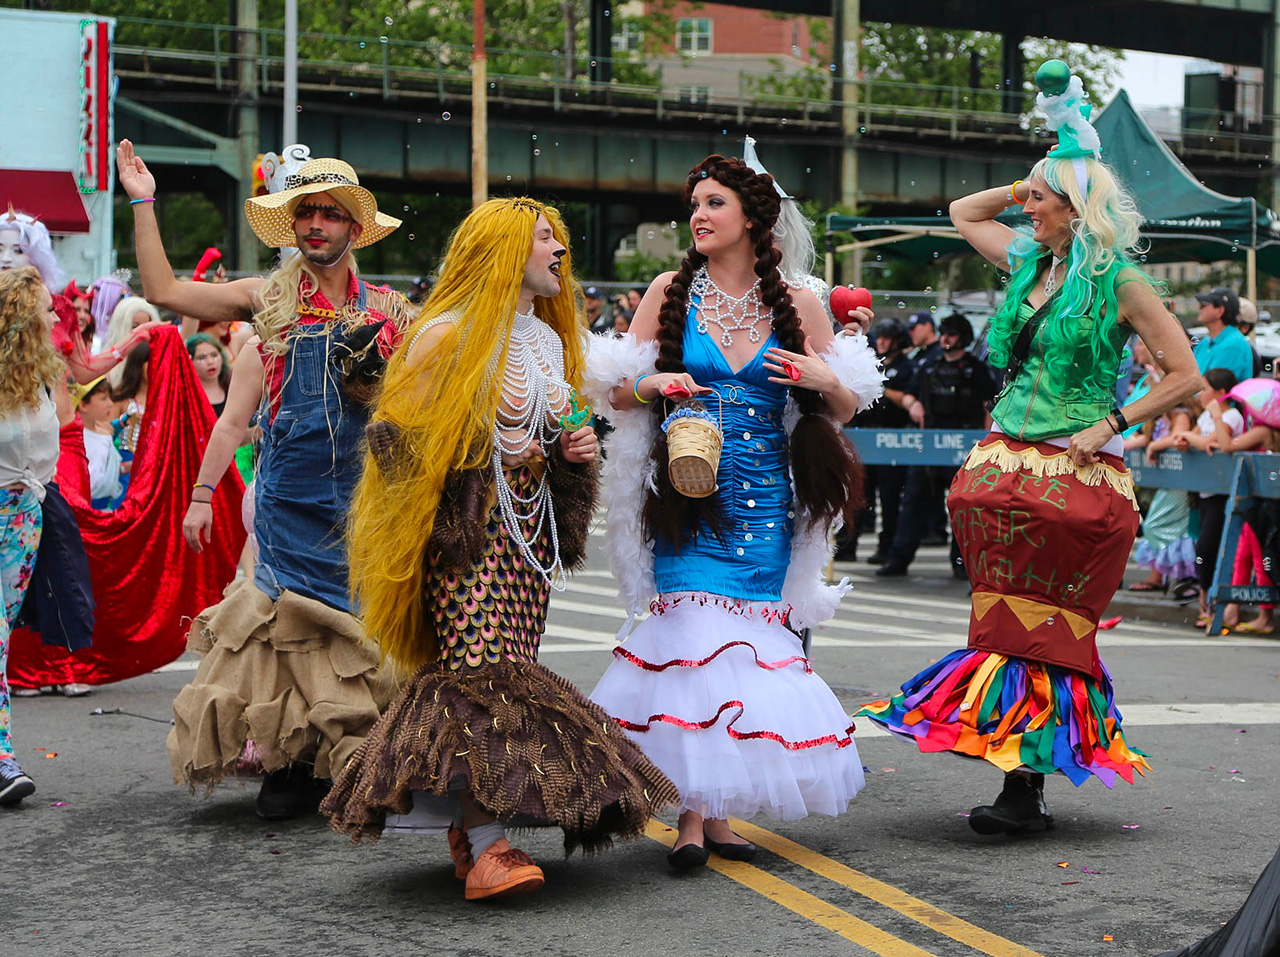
(287, 683)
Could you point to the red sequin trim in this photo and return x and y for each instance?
(837, 740)
(699, 662)
(734, 606)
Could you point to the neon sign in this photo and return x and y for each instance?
(94, 173)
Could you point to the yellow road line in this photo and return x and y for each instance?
(800, 902)
(920, 911)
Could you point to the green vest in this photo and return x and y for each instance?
(1036, 405)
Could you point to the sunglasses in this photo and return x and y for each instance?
(330, 214)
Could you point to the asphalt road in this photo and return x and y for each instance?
(110, 858)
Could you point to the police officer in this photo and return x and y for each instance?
(897, 409)
(926, 350)
(954, 393)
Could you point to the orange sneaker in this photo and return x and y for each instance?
(503, 870)
(460, 851)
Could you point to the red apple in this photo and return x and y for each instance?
(846, 298)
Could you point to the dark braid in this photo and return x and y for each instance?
(827, 473)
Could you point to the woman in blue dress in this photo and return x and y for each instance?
(715, 684)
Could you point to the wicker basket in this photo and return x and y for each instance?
(693, 455)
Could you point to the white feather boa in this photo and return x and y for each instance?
(628, 469)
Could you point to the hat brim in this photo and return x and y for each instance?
(271, 216)
(79, 390)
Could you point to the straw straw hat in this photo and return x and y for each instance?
(271, 216)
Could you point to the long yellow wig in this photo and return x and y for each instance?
(445, 405)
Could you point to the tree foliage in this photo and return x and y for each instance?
(917, 65)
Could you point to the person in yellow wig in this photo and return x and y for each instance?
(475, 499)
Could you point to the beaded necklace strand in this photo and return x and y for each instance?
(731, 313)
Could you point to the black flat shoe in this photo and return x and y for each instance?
(733, 852)
(688, 857)
(1019, 808)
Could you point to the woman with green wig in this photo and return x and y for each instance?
(1044, 509)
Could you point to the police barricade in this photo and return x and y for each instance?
(1245, 476)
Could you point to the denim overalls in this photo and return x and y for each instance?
(310, 463)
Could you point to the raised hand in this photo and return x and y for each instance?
(135, 178)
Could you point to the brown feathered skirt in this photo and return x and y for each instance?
(485, 717)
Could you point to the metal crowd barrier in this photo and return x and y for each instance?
(1244, 476)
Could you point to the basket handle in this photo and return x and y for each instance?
(667, 407)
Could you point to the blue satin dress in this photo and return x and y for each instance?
(750, 561)
(712, 685)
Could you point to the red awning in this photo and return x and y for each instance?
(50, 195)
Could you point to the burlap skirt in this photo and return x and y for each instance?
(527, 744)
(290, 680)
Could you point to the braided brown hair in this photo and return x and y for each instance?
(825, 467)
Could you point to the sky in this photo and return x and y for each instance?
(1154, 79)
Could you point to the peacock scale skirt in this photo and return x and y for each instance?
(484, 716)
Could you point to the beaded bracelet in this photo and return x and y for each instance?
(635, 390)
(148, 199)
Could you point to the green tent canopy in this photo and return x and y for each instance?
(1185, 220)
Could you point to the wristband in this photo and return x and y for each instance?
(212, 490)
(635, 390)
(135, 202)
(1013, 191)
(1122, 424)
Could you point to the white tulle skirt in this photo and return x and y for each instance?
(721, 698)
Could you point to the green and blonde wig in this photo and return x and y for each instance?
(1105, 241)
(445, 404)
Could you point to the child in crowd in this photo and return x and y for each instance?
(213, 368)
(1216, 415)
(130, 395)
(1166, 545)
(105, 466)
(1248, 566)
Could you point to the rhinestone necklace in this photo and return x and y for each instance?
(533, 391)
(731, 313)
(1051, 280)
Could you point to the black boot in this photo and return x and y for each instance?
(288, 792)
(1019, 808)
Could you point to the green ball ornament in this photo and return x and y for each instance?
(1053, 77)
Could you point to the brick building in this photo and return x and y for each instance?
(723, 51)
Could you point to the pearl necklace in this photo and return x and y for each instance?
(731, 313)
(534, 390)
(1051, 280)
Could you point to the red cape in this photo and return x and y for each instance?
(147, 583)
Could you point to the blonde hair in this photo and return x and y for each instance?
(445, 407)
(121, 325)
(1107, 220)
(294, 281)
(1105, 241)
(28, 362)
